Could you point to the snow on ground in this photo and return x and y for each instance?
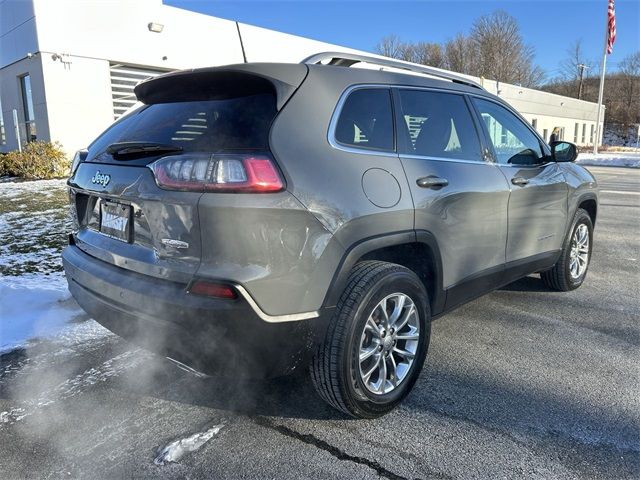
(36, 306)
(34, 222)
(610, 159)
(34, 299)
(32, 307)
(175, 450)
(618, 135)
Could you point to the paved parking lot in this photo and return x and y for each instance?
(520, 383)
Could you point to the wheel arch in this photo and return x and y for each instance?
(589, 202)
(415, 250)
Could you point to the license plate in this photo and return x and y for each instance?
(115, 220)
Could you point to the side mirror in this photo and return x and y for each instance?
(563, 151)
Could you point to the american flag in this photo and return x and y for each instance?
(611, 26)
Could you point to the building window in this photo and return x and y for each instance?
(27, 105)
(123, 79)
(534, 124)
(575, 133)
(592, 131)
(584, 132)
(3, 136)
(544, 134)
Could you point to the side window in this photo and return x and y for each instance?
(512, 140)
(438, 125)
(366, 120)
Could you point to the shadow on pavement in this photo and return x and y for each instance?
(292, 396)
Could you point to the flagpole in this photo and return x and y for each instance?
(601, 90)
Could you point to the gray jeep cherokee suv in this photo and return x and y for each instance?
(258, 218)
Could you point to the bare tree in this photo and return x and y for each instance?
(391, 46)
(501, 51)
(460, 55)
(419, 52)
(630, 65)
(574, 67)
(494, 49)
(428, 54)
(570, 66)
(630, 89)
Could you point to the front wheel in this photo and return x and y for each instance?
(376, 343)
(571, 268)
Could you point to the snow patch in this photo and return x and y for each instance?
(35, 306)
(175, 450)
(34, 222)
(13, 188)
(32, 306)
(610, 159)
(620, 135)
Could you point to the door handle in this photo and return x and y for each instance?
(521, 181)
(432, 182)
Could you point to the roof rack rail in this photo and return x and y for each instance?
(342, 59)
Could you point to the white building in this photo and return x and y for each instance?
(68, 67)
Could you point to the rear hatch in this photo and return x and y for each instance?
(135, 194)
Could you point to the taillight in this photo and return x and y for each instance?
(201, 172)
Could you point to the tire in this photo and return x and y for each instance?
(336, 370)
(560, 276)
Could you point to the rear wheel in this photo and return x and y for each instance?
(571, 268)
(376, 343)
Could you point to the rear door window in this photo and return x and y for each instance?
(438, 124)
(366, 120)
(203, 126)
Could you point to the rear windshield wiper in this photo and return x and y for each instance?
(121, 149)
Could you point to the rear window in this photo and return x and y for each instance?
(238, 123)
(366, 120)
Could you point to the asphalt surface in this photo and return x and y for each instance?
(522, 382)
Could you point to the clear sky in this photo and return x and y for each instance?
(550, 26)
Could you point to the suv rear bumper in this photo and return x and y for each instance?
(213, 336)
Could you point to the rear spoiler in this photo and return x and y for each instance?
(218, 83)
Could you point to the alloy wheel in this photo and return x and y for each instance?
(579, 255)
(389, 343)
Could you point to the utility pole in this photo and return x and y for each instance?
(581, 66)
